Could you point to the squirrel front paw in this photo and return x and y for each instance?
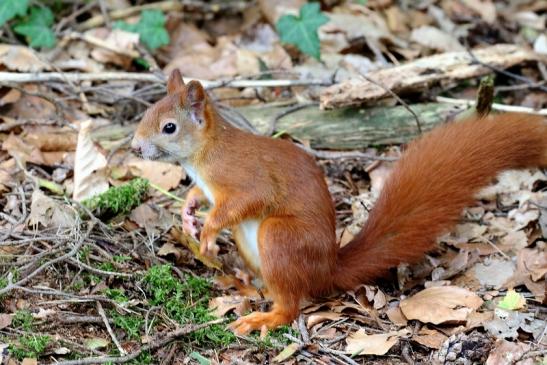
(208, 245)
(190, 224)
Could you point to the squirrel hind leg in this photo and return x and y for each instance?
(294, 265)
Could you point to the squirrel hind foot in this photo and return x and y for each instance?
(258, 320)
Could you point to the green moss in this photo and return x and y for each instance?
(106, 266)
(120, 259)
(29, 346)
(130, 324)
(117, 295)
(23, 319)
(186, 302)
(118, 200)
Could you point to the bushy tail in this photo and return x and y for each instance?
(430, 185)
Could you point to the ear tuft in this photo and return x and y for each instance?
(195, 98)
(175, 82)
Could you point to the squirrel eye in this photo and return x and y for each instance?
(169, 128)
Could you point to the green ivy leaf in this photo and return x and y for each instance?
(10, 8)
(512, 301)
(151, 28)
(301, 30)
(37, 28)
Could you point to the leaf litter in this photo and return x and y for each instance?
(479, 297)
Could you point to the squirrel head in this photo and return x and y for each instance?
(173, 128)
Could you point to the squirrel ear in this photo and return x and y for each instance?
(175, 82)
(195, 99)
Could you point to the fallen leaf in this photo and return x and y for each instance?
(507, 353)
(163, 174)
(21, 58)
(485, 8)
(96, 343)
(29, 361)
(531, 268)
(493, 272)
(117, 39)
(5, 320)
(396, 316)
(322, 316)
(441, 304)
(89, 166)
(430, 338)
(224, 304)
(193, 246)
(512, 301)
(432, 37)
(359, 343)
(287, 352)
(152, 219)
(48, 212)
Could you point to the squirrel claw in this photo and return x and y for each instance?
(190, 224)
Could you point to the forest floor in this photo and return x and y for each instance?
(93, 266)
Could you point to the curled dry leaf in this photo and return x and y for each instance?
(396, 316)
(359, 343)
(322, 316)
(163, 174)
(224, 304)
(435, 38)
(430, 338)
(507, 353)
(89, 166)
(49, 212)
(441, 304)
(20, 58)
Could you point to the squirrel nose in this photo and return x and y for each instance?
(136, 147)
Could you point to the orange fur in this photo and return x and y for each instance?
(281, 186)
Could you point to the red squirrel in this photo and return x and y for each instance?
(274, 197)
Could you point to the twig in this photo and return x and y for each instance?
(495, 106)
(303, 330)
(80, 264)
(392, 93)
(485, 96)
(336, 155)
(21, 77)
(44, 266)
(109, 329)
(286, 112)
(526, 80)
(101, 43)
(156, 343)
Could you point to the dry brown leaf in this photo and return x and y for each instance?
(48, 212)
(48, 142)
(273, 9)
(89, 166)
(396, 316)
(322, 316)
(170, 249)
(531, 269)
(485, 8)
(224, 304)
(20, 58)
(10, 97)
(163, 174)
(117, 39)
(287, 352)
(359, 343)
(507, 353)
(5, 320)
(152, 219)
(432, 37)
(225, 282)
(493, 272)
(31, 107)
(441, 304)
(430, 338)
(29, 361)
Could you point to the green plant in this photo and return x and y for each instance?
(116, 294)
(37, 28)
(301, 31)
(150, 28)
(106, 266)
(186, 302)
(118, 200)
(121, 258)
(130, 324)
(9, 9)
(29, 346)
(23, 319)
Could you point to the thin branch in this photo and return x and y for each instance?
(109, 329)
(22, 77)
(392, 93)
(495, 106)
(156, 343)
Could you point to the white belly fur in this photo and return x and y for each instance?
(247, 242)
(199, 182)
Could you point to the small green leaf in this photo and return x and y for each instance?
(151, 28)
(301, 30)
(37, 28)
(10, 8)
(202, 360)
(512, 301)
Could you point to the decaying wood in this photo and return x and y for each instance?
(421, 73)
(350, 128)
